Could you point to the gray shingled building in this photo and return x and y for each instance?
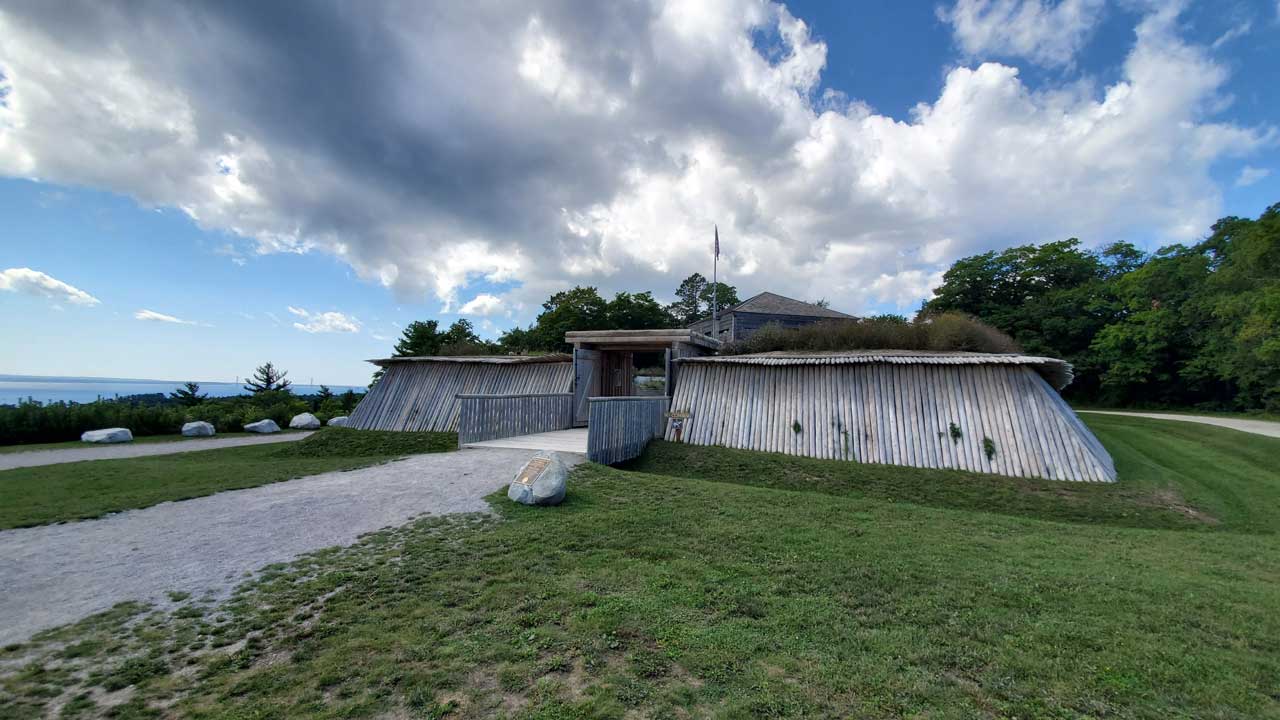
(741, 320)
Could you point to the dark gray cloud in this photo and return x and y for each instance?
(550, 142)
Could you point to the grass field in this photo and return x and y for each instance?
(762, 587)
(1249, 415)
(144, 440)
(77, 491)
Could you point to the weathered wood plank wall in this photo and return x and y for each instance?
(621, 427)
(423, 396)
(898, 414)
(489, 417)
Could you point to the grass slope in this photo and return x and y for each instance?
(82, 490)
(1236, 415)
(1172, 475)
(658, 596)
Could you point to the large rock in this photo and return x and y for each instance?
(338, 421)
(107, 435)
(198, 428)
(305, 421)
(541, 481)
(262, 426)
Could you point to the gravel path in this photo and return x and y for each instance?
(8, 461)
(55, 574)
(1257, 427)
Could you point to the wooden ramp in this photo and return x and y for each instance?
(568, 441)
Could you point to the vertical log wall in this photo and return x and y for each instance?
(420, 396)
(489, 417)
(621, 427)
(1001, 419)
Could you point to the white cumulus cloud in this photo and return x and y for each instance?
(153, 316)
(1047, 33)
(547, 144)
(483, 304)
(1250, 175)
(34, 282)
(324, 322)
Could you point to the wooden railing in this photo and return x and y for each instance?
(620, 427)
(489, 417)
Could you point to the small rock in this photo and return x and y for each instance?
(541, 481)
(107, 435)
(262, 426)
(338, 421)
(198, 428)
(304, 421)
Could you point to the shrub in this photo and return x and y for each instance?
(33, 422)
(36, 422)
(949, 331)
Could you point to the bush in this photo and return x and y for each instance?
(36, 422)
(945, 332)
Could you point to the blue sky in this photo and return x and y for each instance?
(173, 217)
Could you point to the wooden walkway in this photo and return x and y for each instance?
(569, 441)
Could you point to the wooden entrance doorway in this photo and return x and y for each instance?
(605, 362)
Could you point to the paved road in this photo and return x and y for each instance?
(1257, 427)
(57, 574)
(8, 461)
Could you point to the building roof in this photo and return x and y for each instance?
(481, 359)
(767, 303)
(1057, 372)
(658, 337)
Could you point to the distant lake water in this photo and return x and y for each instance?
(85, 389)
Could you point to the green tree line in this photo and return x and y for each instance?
(579, 308)
(1186, 326)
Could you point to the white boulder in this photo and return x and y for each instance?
(198, 428)
(541, 481)
(338, 421)
(262, 426)
(107, 435)
(305, 421)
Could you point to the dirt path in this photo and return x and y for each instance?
(55, 574)
(8, 461)
(1257, 427)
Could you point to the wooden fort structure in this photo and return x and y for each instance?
(992, 413)
(995, 413)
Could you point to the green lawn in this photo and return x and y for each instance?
(77, 491)
(774, 588)
(145, 440)
(1173, 475)
(1248, 415)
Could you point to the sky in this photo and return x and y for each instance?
(190, 189)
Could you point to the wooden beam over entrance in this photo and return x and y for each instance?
(636, 339)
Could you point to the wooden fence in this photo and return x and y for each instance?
(489, 417)
(422, 396)
(621, 427)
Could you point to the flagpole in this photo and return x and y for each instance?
(715, 287)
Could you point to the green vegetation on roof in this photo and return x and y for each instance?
(944, 332)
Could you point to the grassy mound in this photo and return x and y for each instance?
(945, 332)
(1163, 468)
(346, 442)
